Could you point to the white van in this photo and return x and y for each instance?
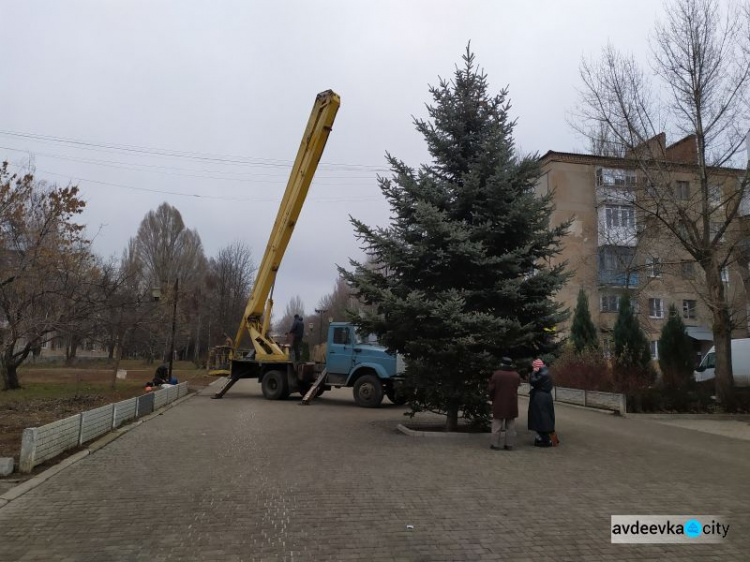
(740, 363)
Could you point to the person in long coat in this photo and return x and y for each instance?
(503, 390)
(541, 407)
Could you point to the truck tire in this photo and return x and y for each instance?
(368, 391)
(275, 386)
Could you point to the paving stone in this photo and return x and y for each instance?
(247, 479)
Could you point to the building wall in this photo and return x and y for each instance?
(576, 195)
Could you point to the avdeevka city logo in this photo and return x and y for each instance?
(693, 528)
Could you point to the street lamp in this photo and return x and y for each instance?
(174, 325)
(320, 312)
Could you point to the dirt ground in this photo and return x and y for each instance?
(54, 393)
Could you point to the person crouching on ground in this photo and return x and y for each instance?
(504, 395)
(541, 407)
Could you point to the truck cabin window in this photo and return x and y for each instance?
(370, 339)
(341, 336)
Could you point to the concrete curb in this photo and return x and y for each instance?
(17, 491)
(715, 417)
(439, 434)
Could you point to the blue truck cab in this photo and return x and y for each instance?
(363, 365)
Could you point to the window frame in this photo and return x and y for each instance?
(689, 312)
(654, 311)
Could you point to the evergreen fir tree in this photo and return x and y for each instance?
(632, 365)
(582, 330)
(461, 276)
(675, 352)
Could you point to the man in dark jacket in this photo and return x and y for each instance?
(541, 407)
(296, 332)
(504, 395)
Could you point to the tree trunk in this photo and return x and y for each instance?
(452, 420)
(722, 331)
(118, 347)
(111, 350)
(10, 374)
(71, 351)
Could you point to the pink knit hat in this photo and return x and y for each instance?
(537, 363)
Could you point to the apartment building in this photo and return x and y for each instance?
(614, 247)
(54, 349)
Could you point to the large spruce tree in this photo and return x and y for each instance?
(582, 329)
(461, 276)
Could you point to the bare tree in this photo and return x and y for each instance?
(294, 306)
(167, 251)
(701, 61)
(47, 267)
(229, 279)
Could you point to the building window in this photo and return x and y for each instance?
(688, 309)
(656, 308)
(613, 176)
(610, 303)
(89, 345)
(619, 216)
(45, 344)
(725, 275)
(688, 270)
(714, 194)
(654, 345)
(682, 191)
(653, 266)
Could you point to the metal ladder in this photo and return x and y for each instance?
(310, 394)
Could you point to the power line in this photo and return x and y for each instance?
(199, 156)
(178, 171)
(214, 197)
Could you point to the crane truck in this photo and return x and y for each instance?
(350, 361)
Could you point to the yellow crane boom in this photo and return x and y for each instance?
(258, 310)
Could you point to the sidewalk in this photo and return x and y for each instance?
(247, 479)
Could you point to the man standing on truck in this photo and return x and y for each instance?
(296, 332)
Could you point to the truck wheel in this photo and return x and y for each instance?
(398, 398)
(275, 386)
(368, 391)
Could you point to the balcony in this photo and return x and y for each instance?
(618, 278)
(615, 194)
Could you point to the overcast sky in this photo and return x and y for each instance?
(192, 85)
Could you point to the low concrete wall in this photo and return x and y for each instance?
(589, 398)
(39, 444)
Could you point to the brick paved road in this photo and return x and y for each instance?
(247, 479)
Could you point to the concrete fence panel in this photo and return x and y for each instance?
(183, 389)
(145, 405)
(124, 411)
(160, 397)
(589, 398)
(39, 444)
(605, 400)
(172, 393)
(570, 395)
(96, 422)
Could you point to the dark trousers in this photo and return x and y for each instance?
(295, 350)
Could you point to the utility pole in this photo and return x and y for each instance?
(320, 312)
(174, 325)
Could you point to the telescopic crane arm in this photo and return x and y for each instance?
(258, 310)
